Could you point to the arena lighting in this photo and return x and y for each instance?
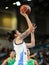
(28, 0)
(6, 7)
(14, 3)
(18, 3)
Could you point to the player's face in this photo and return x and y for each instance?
(28, 52)
(12, 54)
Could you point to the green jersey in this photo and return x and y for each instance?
(30, 62)
(11, 61)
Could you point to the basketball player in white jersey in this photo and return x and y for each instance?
(18, 42)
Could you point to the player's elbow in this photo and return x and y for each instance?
(32, 45)
(31, 28)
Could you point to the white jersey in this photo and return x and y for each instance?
(21, 53)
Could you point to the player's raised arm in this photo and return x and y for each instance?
(5, 62)
(30, 26)
(35, 62)
(32, 43)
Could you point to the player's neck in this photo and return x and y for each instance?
(11, 57)
(28, 57)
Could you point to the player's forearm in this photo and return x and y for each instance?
(32, 39)
(3, 64)
(32, 43)
(29, 22)
(35, 62)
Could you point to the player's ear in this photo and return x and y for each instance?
(15, 35)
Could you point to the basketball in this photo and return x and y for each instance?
(25, 8)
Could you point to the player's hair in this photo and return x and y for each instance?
(12, 51)
(11, 35)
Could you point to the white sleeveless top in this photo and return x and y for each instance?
(21, 53)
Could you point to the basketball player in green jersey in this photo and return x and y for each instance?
(30, 61)
(10, 60)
